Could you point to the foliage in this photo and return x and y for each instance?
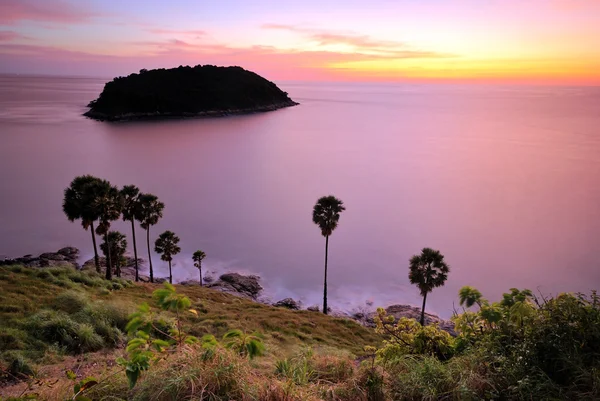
(150, 211)
(407, 337)
(250, 345)
(326, 214)
(186, 90)
(142, 349)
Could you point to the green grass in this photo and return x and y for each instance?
(60, 310)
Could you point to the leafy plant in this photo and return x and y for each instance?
(250, 345)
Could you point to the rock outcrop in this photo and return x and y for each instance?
(288, 303)
(238, 284)
(63, 257)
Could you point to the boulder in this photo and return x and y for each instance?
(288, 303)
(238, 284)
(190, 282)
(314, 308)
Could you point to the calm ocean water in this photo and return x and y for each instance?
(505, 181)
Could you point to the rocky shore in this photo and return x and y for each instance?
(243, 286)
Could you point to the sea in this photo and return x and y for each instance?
(503, 180)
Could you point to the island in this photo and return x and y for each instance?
(200, 91)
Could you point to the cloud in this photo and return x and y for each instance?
(55, 11)
(192, 32)
(364, 44)
(9, 36)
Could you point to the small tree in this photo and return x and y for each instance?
(326, 214)
(198, 257)
(427, 271)
(115, 249)
(150, 212)
(166, 246)
(132, 212)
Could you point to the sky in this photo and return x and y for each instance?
(512, 41)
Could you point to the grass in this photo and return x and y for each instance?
(48, 314)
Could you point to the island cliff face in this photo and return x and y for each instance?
(187, 92)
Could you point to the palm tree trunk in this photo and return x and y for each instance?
(325, 281)
(200, 269)
(96, 258)
(137, 272)
(149, 256)
(108, 258)
(423, 310)
(170, 274)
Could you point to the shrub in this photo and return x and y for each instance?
(70, 301)
(18, 366)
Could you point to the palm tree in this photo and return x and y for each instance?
(77, 203)
(326, 214)
(108, 205)
(166, 246)
(469, 296)
(427, 271)
(115, 249)
(198, 258)
(150, 212)
(131, 212)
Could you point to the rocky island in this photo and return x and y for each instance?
(200, 91)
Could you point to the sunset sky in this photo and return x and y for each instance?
(521, 41)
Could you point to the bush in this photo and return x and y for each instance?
(18, 366)
(70, 301)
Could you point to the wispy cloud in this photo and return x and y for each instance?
(9, 36)
(192, 32)
(364, 44)
(55, 11)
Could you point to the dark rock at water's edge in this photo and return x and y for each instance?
(200, 91)
(237, 284)
(63, 257)
(289, 303)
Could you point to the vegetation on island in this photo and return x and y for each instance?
(84, 335)
(186, 92)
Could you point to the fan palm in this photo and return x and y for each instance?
(166, 246)
(150, 212)
(427, 271)
(77, 202)
(198, 257)
(108, 205)
(131, 212)
(115, 249)
(326, 214)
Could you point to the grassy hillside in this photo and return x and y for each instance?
(48, 316)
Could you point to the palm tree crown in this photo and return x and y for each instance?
(428, 271)
(108, 204)
(198, 257)
(116, 245)
(166, 246)
(326, 214)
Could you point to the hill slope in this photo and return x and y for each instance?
(187, 92)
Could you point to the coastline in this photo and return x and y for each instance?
(99, 116)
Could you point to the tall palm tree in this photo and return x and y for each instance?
(326, 214)
(77, 202)
(108, 204)
(166, 246)
(150, 212)
(427, 271)
(198, 258)
(115, 249)
(131, 212)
